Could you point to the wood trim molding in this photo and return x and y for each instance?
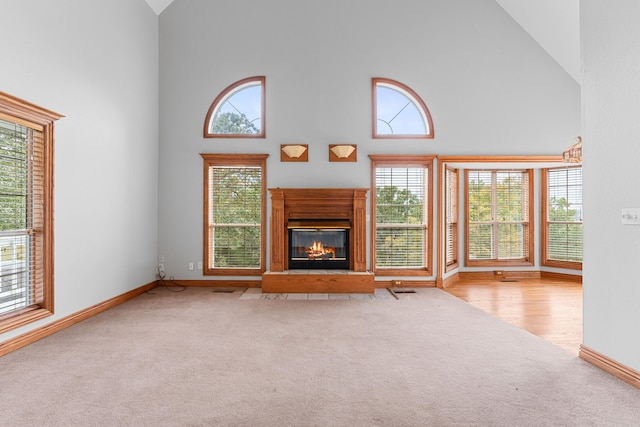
(499, 159)
(448, 281)
(491, 275)
(616, 369)
(561, 276)
(63, 323)
(384, 284)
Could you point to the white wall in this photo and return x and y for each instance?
(611, 120)
(96, 62)
(490, 87)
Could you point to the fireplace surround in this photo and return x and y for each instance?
(346, 205)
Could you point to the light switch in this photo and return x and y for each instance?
(631, 216)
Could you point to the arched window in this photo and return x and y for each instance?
(238, 112)
(398, 112)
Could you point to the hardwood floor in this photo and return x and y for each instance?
(550, 309)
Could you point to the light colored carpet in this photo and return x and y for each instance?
(201, 358)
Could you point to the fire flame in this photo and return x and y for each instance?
(318, 250)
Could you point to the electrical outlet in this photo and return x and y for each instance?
(161, 267)
(161, 259)
(396, 282)
(498, 273)
(191, 266)
(199, 265)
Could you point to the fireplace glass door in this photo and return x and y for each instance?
(318, 244)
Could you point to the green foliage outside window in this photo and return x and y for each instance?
(399, 228)
(564, 215)
(498, 211)
(236, 216)
(233, 123)
(13, 177)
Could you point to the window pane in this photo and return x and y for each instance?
(481, 241)
(400, 216)
(509, 196)
(400, 195)
(511, 241)
(480, 196)
(564, 214)
(240, 113)
(236, 247)
(236, 195)
(399, 247)
(565, 242)
(498, 215)
(235, 216)
(15, 289)
(397, 113)
(451, 216)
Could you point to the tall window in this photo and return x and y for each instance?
(238, 111)
(402, 212)
(398, 112)
(451, 217)
(234, 212)
(499, 230)
(26, 220)
(562, 213)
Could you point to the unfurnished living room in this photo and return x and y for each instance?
(336, 213)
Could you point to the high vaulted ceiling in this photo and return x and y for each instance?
(554, 24)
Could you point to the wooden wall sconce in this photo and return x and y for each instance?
(294, 153)
(343, 153)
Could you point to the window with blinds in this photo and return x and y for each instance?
(26, 228)
(234, 214)
(498, 217)
(401, 205)
(562, 210)
(451, 217)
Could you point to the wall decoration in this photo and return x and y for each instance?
(294, 153)
(342, 153)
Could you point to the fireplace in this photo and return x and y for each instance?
(318, 244)
(336, 220)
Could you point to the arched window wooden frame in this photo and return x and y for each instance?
(413, 97)
(227, 94)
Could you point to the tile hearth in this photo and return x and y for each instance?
(256, 294)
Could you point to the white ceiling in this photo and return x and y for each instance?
(159, 5)
(554, 24)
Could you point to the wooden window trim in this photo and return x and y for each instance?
(223, 96)
(240, 160)
(400, 160)
(419, 103)
(544, 237)
(30, 115)
(529, 260)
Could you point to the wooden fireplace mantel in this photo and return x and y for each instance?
(312, 203)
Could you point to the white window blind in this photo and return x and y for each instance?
(498, 215)
(451, 216)
(21, 216)
(400, 217)
(564, 214)
(235, 216)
